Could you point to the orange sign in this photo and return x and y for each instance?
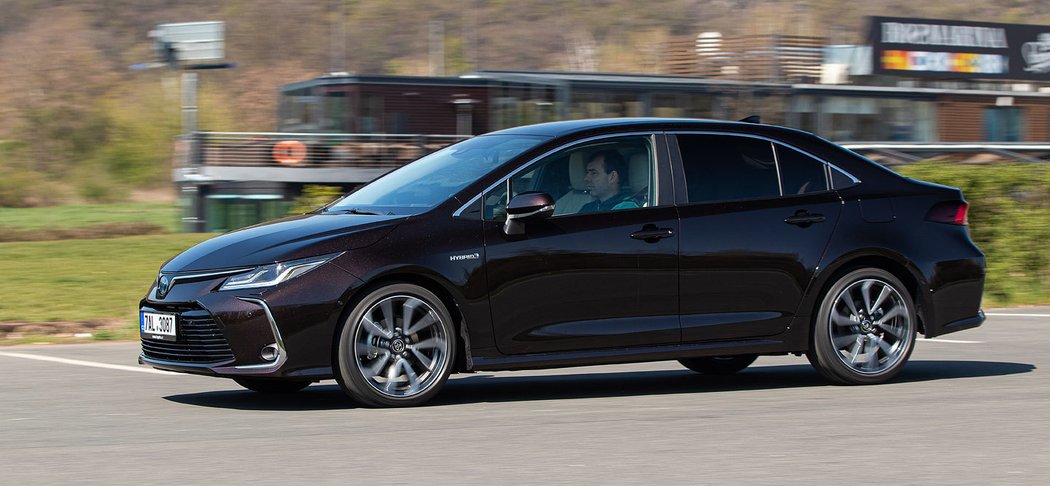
(289, 152)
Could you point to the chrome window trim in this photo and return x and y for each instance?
(506, 179)
(775, 142)
(776, 163)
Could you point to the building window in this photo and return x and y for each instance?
(336, 112)
(227, 212)
(371, 113)
(1002, 124)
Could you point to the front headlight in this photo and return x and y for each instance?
(270, 275)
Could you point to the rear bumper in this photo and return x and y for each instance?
(953, 298)
(968, 323)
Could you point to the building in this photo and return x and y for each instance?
(919, 82)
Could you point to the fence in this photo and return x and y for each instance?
(896, 153)
(306, 150)
(387, 151)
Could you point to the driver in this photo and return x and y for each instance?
(606, 180)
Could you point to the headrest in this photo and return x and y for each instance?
(638, 171)
(576, 171)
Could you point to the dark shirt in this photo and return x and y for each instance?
(622, 200)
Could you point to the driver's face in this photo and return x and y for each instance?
(600, 183)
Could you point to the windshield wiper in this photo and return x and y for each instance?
(360, 211)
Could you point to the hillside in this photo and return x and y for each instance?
(77, 124)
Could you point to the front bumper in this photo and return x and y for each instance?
(205, 349)
(225, 333)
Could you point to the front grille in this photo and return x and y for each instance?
(200, 341)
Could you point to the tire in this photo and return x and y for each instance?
(272, 387)
(396, 347)
(865, 329)
(719, 365)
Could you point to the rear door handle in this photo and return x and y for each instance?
(652, 234)
(803, 218)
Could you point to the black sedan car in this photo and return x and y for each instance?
(579, 243)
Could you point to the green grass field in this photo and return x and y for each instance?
(77, 280)
(79, 216)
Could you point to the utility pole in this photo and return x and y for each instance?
(437, 48)
(337, 63)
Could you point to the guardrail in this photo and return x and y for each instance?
(895, 153)
(306, 150)
(387, 151)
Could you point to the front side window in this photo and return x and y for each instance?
(607, 175)
(728, 168)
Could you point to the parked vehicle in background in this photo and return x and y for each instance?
(740, 240)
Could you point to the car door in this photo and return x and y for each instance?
(756, 217)
(581, 281)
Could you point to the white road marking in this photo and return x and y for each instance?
(952, 341)
(1006, 314)
(91, 364)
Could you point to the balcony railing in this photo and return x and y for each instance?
(306, 150)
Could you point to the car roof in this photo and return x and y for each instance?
(570, 127)
(828, 151)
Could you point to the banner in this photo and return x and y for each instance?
(956, 49)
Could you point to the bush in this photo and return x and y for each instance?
(1009, 221)
(21, 188)
(313, 197)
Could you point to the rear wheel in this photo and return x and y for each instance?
(865, 329)
(271, 386)
(396, 347)
(719, 365)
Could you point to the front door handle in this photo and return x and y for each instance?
(651, 234)
(804, 218)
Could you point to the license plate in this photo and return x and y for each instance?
(157, 326)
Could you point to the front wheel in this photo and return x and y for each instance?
(865, 329)
(396, 347)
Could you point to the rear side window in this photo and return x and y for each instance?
(727, 168)
(840, 180)
(800, 173)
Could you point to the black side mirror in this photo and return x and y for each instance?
(525, 207)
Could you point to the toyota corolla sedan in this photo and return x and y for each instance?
(579, 243)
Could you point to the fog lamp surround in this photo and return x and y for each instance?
(273, 274)
(270, 352)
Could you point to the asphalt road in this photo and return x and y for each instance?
(970, 408)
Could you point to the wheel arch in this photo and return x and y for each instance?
(462, 360)
(893, 263)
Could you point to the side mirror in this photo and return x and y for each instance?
(525, 207)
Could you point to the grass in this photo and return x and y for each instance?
(86, 215)
(78, 280)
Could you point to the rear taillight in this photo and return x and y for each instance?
(954, 212)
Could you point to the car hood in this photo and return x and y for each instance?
(284, 239)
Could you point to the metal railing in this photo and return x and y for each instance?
(306, 150)
(895, 153)
(387, 151)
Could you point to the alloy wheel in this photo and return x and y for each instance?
(870, 326)
(401, 346)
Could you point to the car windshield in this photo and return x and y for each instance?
(425, 183)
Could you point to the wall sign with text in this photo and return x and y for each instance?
(959, 49)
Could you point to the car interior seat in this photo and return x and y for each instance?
(577, 196)
(638, 177)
